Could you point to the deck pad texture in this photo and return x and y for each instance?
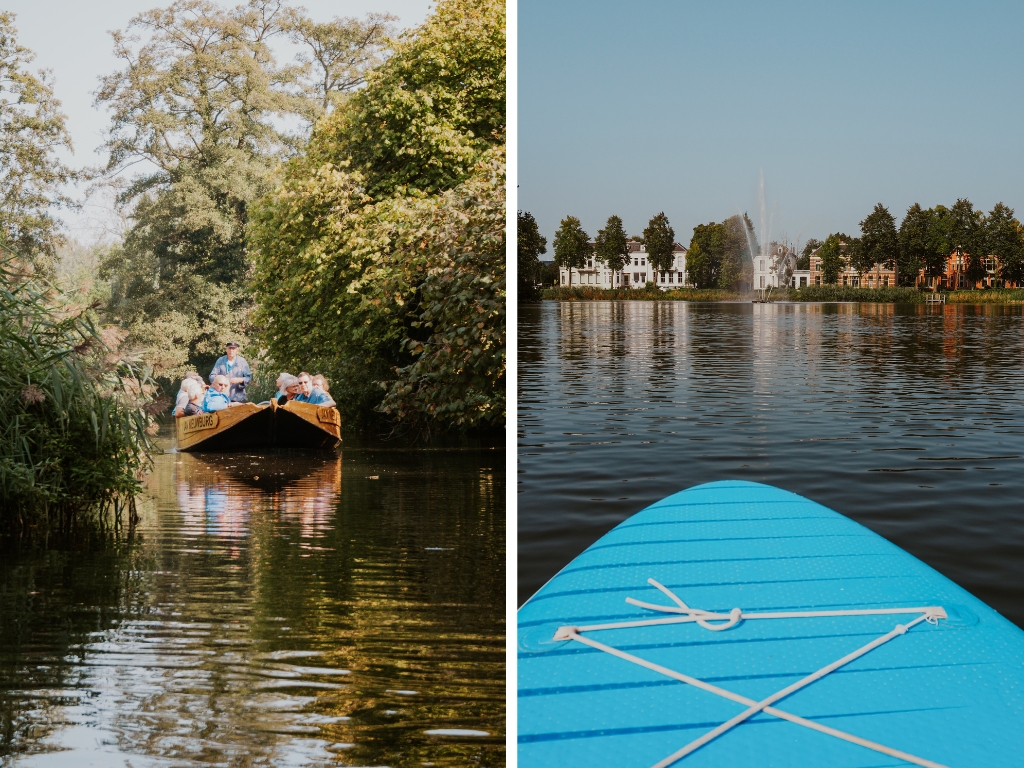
(951, 693)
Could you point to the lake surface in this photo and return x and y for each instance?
(270, 609)
(908, 419)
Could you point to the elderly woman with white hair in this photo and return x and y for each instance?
(287, 388)
(183, 397)
(194, 390)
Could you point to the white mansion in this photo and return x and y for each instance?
(635, 274)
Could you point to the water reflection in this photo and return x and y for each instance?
(262, 616)
(909, 419)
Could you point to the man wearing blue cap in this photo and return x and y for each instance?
(235, 367)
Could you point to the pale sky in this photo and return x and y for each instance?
(71, 39)
(678, 105)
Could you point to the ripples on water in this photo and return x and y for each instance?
(909, 419)
(266, 613)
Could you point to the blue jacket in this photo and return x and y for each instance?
(240, 368)
(214, 401)
(316, 397)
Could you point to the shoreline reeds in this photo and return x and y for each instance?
(76, 415)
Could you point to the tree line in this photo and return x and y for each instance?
(720, 253)
(924, 240)
(573, 247)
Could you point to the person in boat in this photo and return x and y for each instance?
(320, 381)
(236, 368)
(287, 388)
(194, 390)
(217, 397)
(183, 399)
(312, 394)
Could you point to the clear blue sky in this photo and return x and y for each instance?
(633, 108)
(70, 37)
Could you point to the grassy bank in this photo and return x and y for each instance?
(814, 293)
(590, 293)
(846, 293)
(991, 296)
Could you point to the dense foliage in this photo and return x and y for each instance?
(831, 254)
(73, 413)
(32, 134)
(530, 244)
(611, 246)
(848, 293)
(572, 245)
(719, 254)
(379, 261)
(659, 242)
(925, 240)
(201, 101)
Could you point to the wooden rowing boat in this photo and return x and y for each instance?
(292, 425)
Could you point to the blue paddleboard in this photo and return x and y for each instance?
(742, 594)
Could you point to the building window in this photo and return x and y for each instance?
(885, 281)
(762, 278)
(803, 282)
(671, 275)
(762, 270)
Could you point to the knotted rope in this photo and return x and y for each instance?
(930, 614)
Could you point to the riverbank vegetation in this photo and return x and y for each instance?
(649, 293)
(816, 293)
(342, 212)
(328, 194)
(75, 414)
(379, 260)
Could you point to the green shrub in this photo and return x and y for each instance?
(847, 293)
(648, 293)
(75, 416)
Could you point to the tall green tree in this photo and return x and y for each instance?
(735, 262)
(572, 245)
(704, 256)
(660, 240)
(200, 102)
(33, 134)
(388, 274)
(914, 244)
(1003, 239)
(966, 228)
(451, 109)
(611, 246)
(831, 255)
(879, 241)
(924, 243)
(804, 262)
(336, 55)
(530, 244)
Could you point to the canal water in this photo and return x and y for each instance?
(270, 609)
(908, 419)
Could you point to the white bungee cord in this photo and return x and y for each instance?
(723, 621)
